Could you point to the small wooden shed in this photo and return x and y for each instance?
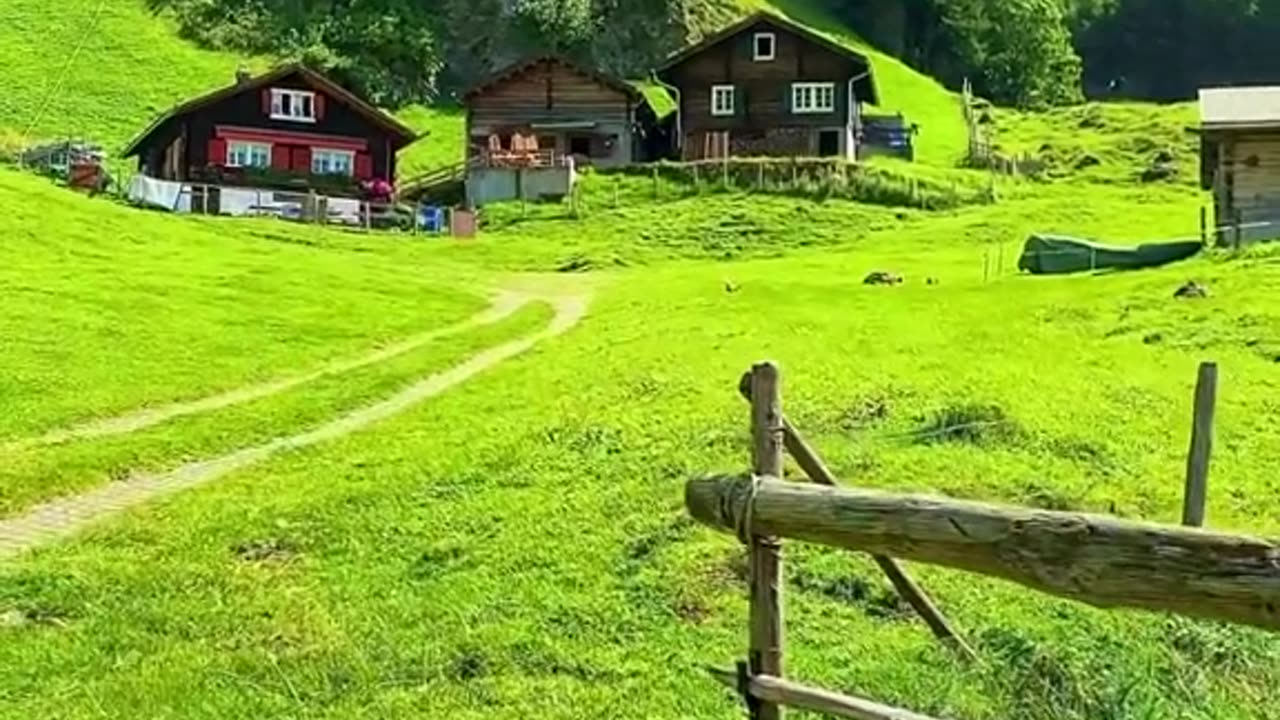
(1240, 160)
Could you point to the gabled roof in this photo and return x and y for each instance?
(313, 78)
(1239, 107)
(785, 23)
(521, 66)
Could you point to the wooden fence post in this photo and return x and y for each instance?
(1204, 225)
(766, 635)
(655, 182)
(813, 466)
(1193, 501)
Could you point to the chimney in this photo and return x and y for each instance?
(243, 76)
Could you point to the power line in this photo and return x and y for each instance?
(66, 68)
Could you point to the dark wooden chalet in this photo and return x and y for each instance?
(289, 128)
(769, 86)
(546, 108)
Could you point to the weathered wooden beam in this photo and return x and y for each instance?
(813, 466)
(1103, 561)
(766, 640)
(766, 688)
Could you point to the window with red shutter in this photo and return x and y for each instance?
(266, 101)
(319, 106)
(217, 152)
(364, 166)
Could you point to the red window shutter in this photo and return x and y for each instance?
(266, 101)
(319, 107)
(364, 166)
(217, 152)
(302, 160)
(279, 157)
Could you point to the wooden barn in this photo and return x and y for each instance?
(291, 127)
(544, 109)
(1240, 160)
(769, 86)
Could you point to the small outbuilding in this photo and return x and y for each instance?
(1240, 160)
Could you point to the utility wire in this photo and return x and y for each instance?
(66, 68)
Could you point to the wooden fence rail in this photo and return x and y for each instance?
(1099, 560)
(1104, 561)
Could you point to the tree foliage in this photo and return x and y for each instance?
(1019, 51)
(1024, 52)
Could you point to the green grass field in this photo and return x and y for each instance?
(108, 308)
(517, 546)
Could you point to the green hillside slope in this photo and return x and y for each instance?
(96, 70)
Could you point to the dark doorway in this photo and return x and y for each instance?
(580, 145)
(828, 143)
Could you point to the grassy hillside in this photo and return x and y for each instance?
(445, 143)
(108, 308)
(1106, 142)
(96, 70)
(517, 546)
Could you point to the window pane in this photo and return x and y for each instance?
(306, 106)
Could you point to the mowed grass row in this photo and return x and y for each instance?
(518, 546)
(108, 308)
(33, 474)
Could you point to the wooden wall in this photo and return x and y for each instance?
(547, 91)
(1247, 183)
(763, 88)
(551, 91)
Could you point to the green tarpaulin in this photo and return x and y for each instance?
(1050, 255)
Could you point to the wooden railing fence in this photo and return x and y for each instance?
(1103, 561)
(982, 152)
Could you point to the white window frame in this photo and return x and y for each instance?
(248, 148)
(719, 109)
(806, 98)
(317, 153)
(773, 47)
(294, 113)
